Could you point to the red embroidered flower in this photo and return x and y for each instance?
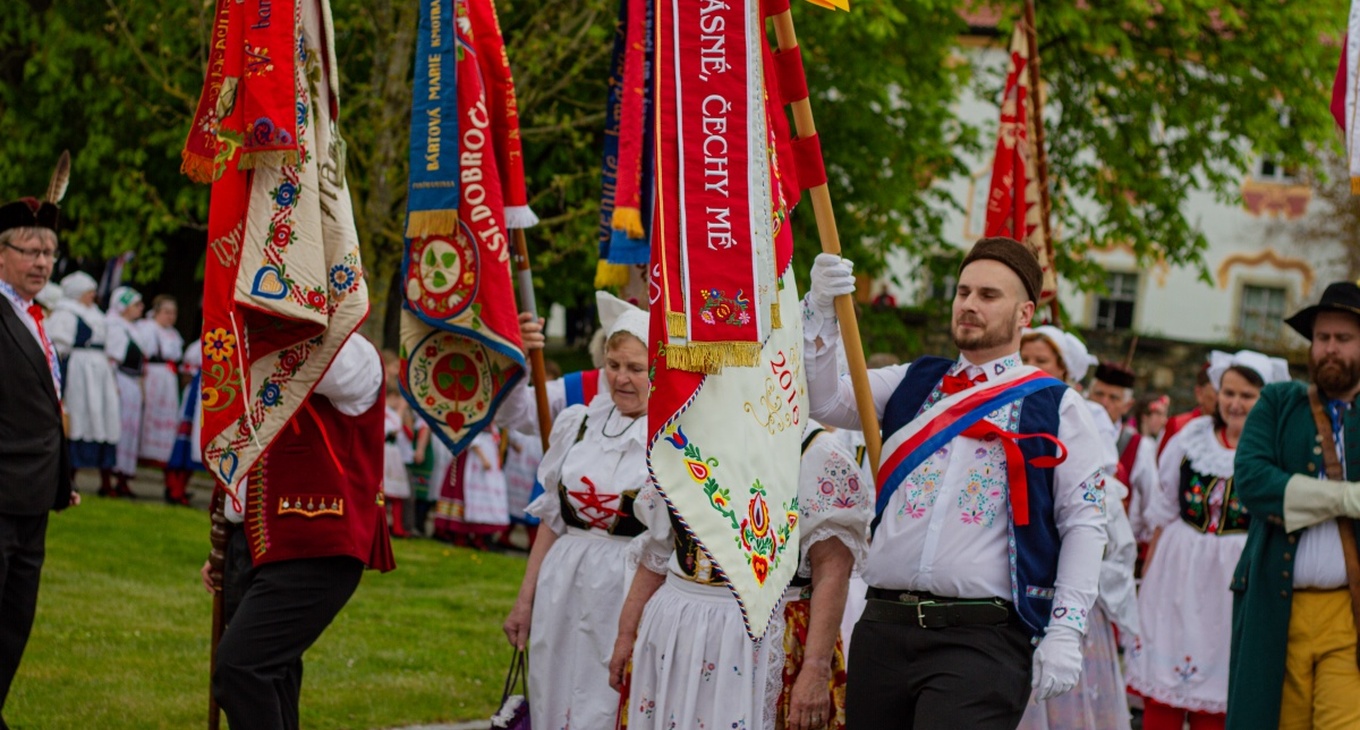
(283, 235)
(759, 512)
(431, 351)
(760, 567)
(289, 360)
(316, 299)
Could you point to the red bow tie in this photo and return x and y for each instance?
(959, 382)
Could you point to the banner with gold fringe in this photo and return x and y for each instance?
(725, 441)
(460, 341)
(432, 193)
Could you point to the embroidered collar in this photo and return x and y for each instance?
(13, 296)
(992, 368)
(1207, 454)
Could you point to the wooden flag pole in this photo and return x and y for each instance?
(217, 556)
(804, 126)
(1037, 114)
(538, 374)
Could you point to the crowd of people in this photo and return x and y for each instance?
(1040, 550)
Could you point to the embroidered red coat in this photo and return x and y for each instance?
(317, 492)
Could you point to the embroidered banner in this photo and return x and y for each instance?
(283, 279)
(724, 448)
(1014, 204)
(504, 112)
(460, 341)
(432, 193)
(722, 191)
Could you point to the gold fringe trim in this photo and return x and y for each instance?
(196, 167)
(607, 274)
(1355, 186)
(422, 223)
(272, 158)
(675, 324)
(712, 357)
(776, 320)
(629, 220)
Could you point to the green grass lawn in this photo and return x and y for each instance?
(121, 639)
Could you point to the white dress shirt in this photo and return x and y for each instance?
(946, 528)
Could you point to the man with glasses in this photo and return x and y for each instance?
(35, 468)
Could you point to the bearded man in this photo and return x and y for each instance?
(989, 531)
(1297, 585)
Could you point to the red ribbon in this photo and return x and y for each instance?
(1015, 463)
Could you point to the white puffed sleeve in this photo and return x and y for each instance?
(833, 500)
(548, 506)
(61, 330)
(653, 548)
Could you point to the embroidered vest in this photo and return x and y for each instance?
(1034, 559)
(625, 524)
(317, 491)
(1194, 496)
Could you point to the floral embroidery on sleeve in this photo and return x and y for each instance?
(1093, 490)
(1069, 616)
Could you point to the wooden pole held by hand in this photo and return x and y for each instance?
(538, 373)
(804, 126)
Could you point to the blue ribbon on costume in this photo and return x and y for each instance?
(433, 187)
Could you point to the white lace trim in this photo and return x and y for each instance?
(1207, 455)
(1177, 699)
(774, 670)
(859, 549)
(641, 553)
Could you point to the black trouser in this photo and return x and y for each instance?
(274, 613)
(22, 547)
(904, 676)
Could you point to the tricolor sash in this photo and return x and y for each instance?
(963, 414)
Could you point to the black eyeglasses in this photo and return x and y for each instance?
(33, 254)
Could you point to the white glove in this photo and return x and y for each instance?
(831, 277)
(1057, 662)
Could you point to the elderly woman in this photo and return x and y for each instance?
(124, 347)
(578, 570)
(1098, 699)
(692, 664)
(77, 330)
(1179, 663)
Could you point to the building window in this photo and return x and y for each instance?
(1261, 314)
(1272, 171)
(1114, 310)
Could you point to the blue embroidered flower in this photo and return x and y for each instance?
(301, 113)
(285, 195)
(342, 277)
(270, 393)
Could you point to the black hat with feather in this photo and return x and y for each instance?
(39, 213)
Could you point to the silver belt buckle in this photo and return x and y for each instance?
(920, 615)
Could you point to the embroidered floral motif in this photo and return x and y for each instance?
(718, 308)
(838, 487)
(984, 493)
(706, 670)
(1093, 491)
(1187, 670)
(1074, 617)
(923, 486)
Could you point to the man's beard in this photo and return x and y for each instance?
(987, 338)
(1335, 376)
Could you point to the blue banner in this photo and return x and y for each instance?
(432, 198)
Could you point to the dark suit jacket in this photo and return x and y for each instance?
(35, 462)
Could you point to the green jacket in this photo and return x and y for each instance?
(1279, 441)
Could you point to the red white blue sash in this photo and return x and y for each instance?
(911, 445)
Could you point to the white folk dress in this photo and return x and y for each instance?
(522, 456)
(484, 483)
(126, 349)
(586, 574)
(1185, 605)
(90, 393)
(160, 388)
(396, 484)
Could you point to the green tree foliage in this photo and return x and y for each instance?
(1147, 101)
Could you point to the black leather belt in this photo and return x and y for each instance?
(930, 611)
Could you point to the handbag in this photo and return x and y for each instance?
(514, 711)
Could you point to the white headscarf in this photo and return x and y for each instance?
(1071, 349)
(123, 297)
(49, 296)
(617, 316)
(77, 285)
(1271, 369)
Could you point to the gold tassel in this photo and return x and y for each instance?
(607, 274)
(629, 220)
(271, 158)
(712, 357)
(196, 167)
(422, 223)
(675, 324)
